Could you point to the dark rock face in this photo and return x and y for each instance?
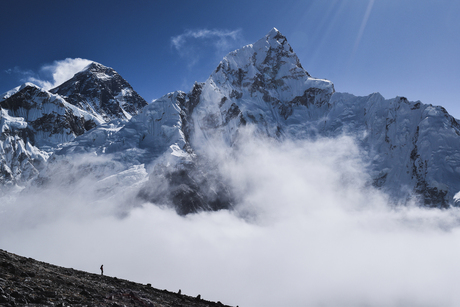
(100, 90)
(27, 282)
(190, 188)
(187, 103)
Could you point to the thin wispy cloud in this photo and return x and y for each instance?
(221, 39)
(60, 71)
(193, 44)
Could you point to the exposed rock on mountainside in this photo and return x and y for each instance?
(27, 282)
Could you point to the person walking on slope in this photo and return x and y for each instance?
(102, 269)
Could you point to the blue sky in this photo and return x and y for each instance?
(408, 48)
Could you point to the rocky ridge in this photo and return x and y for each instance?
(28, 282)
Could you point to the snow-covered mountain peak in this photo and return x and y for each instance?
(268, 55)
(268, 64)
(102, 92)
(261, 83)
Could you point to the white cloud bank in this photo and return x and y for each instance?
(314, 233)
(58, 72)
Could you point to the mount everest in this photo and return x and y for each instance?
(95, 125)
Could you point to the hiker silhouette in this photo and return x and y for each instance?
(102, 269)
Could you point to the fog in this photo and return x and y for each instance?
(307, 230)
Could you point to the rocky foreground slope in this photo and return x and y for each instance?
(28, 282)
